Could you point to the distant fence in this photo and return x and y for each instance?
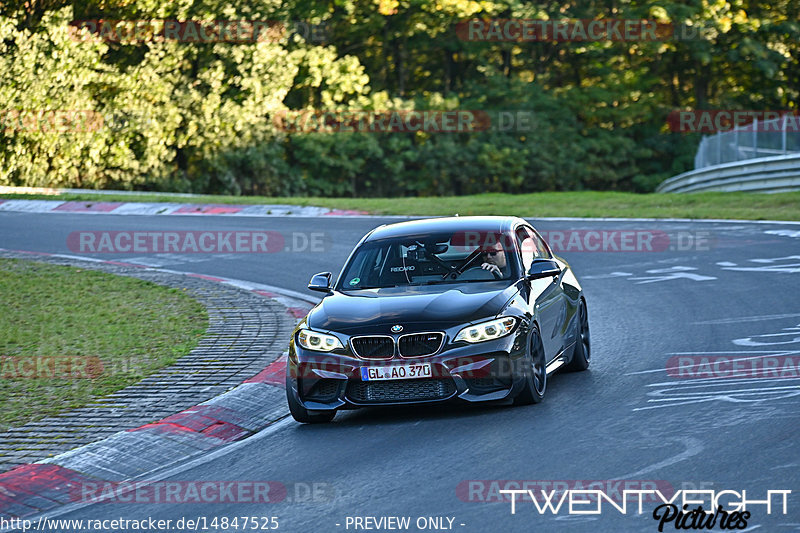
(759, 157)
(755, 140)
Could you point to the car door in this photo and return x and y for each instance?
(546, 296)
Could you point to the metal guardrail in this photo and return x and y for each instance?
(765, 174)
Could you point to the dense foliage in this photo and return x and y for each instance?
(201, 116)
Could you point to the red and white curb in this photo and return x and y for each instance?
(250, 407)
(188, 209)
(167, 208)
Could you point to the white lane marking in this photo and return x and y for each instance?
(784, 233)
(775, 259)
(771, 264)
(736, 351)
(79, 258)
(718, 381)
(747, 319)
(612, 275)
(667, 274)
(749, 341)
(736, 396)
(681, 390)
(693, 447)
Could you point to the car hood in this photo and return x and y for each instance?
(414, 308)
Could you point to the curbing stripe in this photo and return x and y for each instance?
(274, 374)
(258, 210)
(29, 489)
(87, 207)
(84, 207)
(252, 406)
(206, 419)
(205, 277)
(297, 312)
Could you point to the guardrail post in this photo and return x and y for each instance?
(755, 137)
(784, 127)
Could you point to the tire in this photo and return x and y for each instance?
(301, 414)
(535, 368)
(582, 353)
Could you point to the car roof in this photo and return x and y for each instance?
(444, 225)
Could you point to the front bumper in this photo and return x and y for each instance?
(481, 372)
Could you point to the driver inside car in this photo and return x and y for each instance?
(495, 260)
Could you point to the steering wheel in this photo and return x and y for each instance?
(488, 275)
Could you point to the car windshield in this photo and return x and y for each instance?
(464, 256)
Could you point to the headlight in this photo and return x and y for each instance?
(486, 331)
(320, 342)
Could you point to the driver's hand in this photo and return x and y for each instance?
(491, 267)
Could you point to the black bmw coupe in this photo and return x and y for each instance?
(469, 309)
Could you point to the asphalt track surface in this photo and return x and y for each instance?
(733, 294)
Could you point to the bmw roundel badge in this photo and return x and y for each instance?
(397, 328)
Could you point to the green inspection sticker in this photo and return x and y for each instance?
(355, 281)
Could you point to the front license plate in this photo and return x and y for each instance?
(382, 373)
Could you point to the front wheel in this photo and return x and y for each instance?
(301, 414)
(582, 354)
(535, 369)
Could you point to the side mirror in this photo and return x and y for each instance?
(543, 268)
(320, 282)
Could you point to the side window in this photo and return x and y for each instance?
(531, 247)
(541, 248)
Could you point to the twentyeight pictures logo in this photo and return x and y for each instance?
(685, 508)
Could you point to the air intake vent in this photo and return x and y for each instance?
(406, 390)
(377, 347)
(420, 344)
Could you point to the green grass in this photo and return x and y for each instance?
(784, 206)
(132, 327)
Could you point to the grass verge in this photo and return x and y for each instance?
(71, 335)
(783, 206)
